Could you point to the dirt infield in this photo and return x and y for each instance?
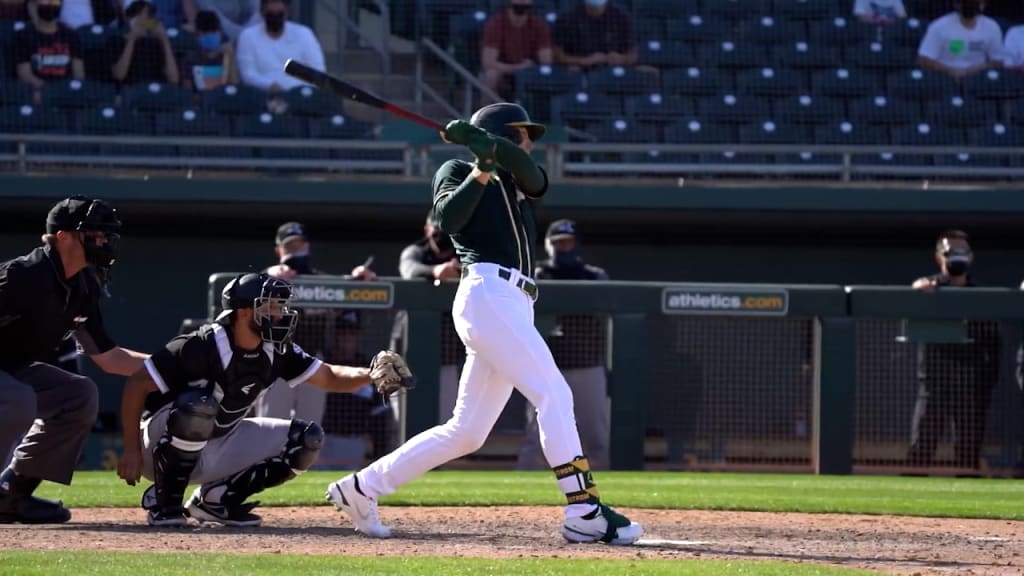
(889, 544)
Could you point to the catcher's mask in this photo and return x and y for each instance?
(270, 300)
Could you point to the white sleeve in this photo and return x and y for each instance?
(861, 7)
(995, 49)
(900, 9)
(931, 44)
(1013, 46)
(246, 55)
(313, 54)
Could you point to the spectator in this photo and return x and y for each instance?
(955, 380)
(594, 34)
(513, 40)
(962, 43)
(579, 345)
(214, 64)
(263, 50)
(144, 53)
(176, 13)
(77, 13)
(433, 258)
(45, 50)
(879, 11)
(1013, 48)
(234, 15)
(303, 402)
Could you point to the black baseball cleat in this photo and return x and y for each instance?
(169, 516)
(240, 515)
(23, 509)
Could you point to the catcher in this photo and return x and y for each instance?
(184, 412)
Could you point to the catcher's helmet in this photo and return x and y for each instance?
(269, 298)
(503, 118)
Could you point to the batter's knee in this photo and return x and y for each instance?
(82, 400)
(465, 441)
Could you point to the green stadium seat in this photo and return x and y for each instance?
(696, 81)
(734, 108)
(75, 94)
(658, 107)
(807, 109)
(311, 102)
(154, 97)
(234, 100)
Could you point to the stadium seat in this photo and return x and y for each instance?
(906, 33)
(885, 110)
(15, 94)
(645, 29)
(436, 15)
(466, 32)
(577, 109)
(769, 31)
(338, 127)
(191, 122)
(924, 134)
(875, 55)
(698, 30)
(155, 97)
(808, 9)
(734, 9)
(696, 81)
(657, 107)
(696, 131)
(657, 9)
(996, 134)
(271, 126)
(807, 55)
(921, 85)
(182, 42)
(659, 157)
(234, 100)
(731, 54)
(959, 112)
(662, 54)
(845, 132)
(8, 28)
(308, 101)
(768, 131)
(807, 158)
(733, 109)
(549, 80)
(622, 130)
(841, 31)
(732, 157)
(27, 119)
(79, 94)
(994, 85)
(109, 121)
(621, 80)
(809, 110)
(845, 83)
(769, 82)
(94, 41)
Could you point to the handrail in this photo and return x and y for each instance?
(206, 141)
(382, 46)
(854, 149)
(466, 75)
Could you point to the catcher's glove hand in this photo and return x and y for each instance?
(390, 373)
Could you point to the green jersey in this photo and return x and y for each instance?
(487, 223)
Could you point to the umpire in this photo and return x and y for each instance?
(46, 296)
(578, 344)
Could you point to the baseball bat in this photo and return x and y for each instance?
(335, 85)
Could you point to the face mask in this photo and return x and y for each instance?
(569, 259)
(520, 9)
(969, 9)
(48, 13)
(299, 262)
(957, 266)
(596, 3)
(210, 42)
(274, 21)
(442, 241)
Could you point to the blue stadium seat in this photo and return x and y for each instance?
(769, 131)
(696, 81)
(662, 54)
(234, 100)
(695, 130)
(994, 85)
(997, 134)
(845, 83)
(310, 102)
(436, 15)
(733, 109)
(535, 87)
(735, 9)
(698, 30)
(841, 31)
(94, 40)
(110, 121)
(153, 97)
(808, 9)
(271, 126)
(875, 55)
(15, 94)
(646, 29)
(768, 30)
(907, 33)
(732, 54)
(885, 110)
(770, 82)
(8, 28)
(959, 112)
(27, 119)
(191, 122)
(658, 9)
(921, 85)
(338, 127)
(800, 54)
(659, 157)
(621, 80)
(924, 134)
(623, 130)
(848, 133)
(79, 94)
(466, 32)
(807, 109)
(658, 107)
(577, 109)
(182, 42)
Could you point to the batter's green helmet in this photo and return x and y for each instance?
(503, 118)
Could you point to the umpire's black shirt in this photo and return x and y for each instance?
(39, 308)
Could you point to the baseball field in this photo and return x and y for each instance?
(454, 522)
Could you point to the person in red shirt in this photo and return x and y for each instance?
(45, 50)
(514, 39)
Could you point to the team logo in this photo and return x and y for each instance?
(247, 388)
(725, 301)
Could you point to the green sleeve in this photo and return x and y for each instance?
(530, 179)
(456, 195)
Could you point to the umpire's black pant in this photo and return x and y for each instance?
(957, 395)
(54, 410)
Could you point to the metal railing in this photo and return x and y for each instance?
(381, 44)
(470, 79)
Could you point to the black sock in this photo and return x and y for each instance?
(13, 483)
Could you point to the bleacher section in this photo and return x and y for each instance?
(717, 72)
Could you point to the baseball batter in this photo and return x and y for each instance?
(487, 209)
(196, 392)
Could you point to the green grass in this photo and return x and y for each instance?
(939, 497)
(96, 564)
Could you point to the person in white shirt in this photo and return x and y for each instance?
(263, 50)
(879, 11)
(1013, 48)
(963, 42)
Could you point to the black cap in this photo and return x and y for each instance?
(289, 231)
(560, 229)
(81, 213)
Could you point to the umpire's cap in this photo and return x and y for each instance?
(503, 118)
(561, 229)
(81, 213)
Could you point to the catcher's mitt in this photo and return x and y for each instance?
(390, 373)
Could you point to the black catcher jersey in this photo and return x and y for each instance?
(206, 359)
